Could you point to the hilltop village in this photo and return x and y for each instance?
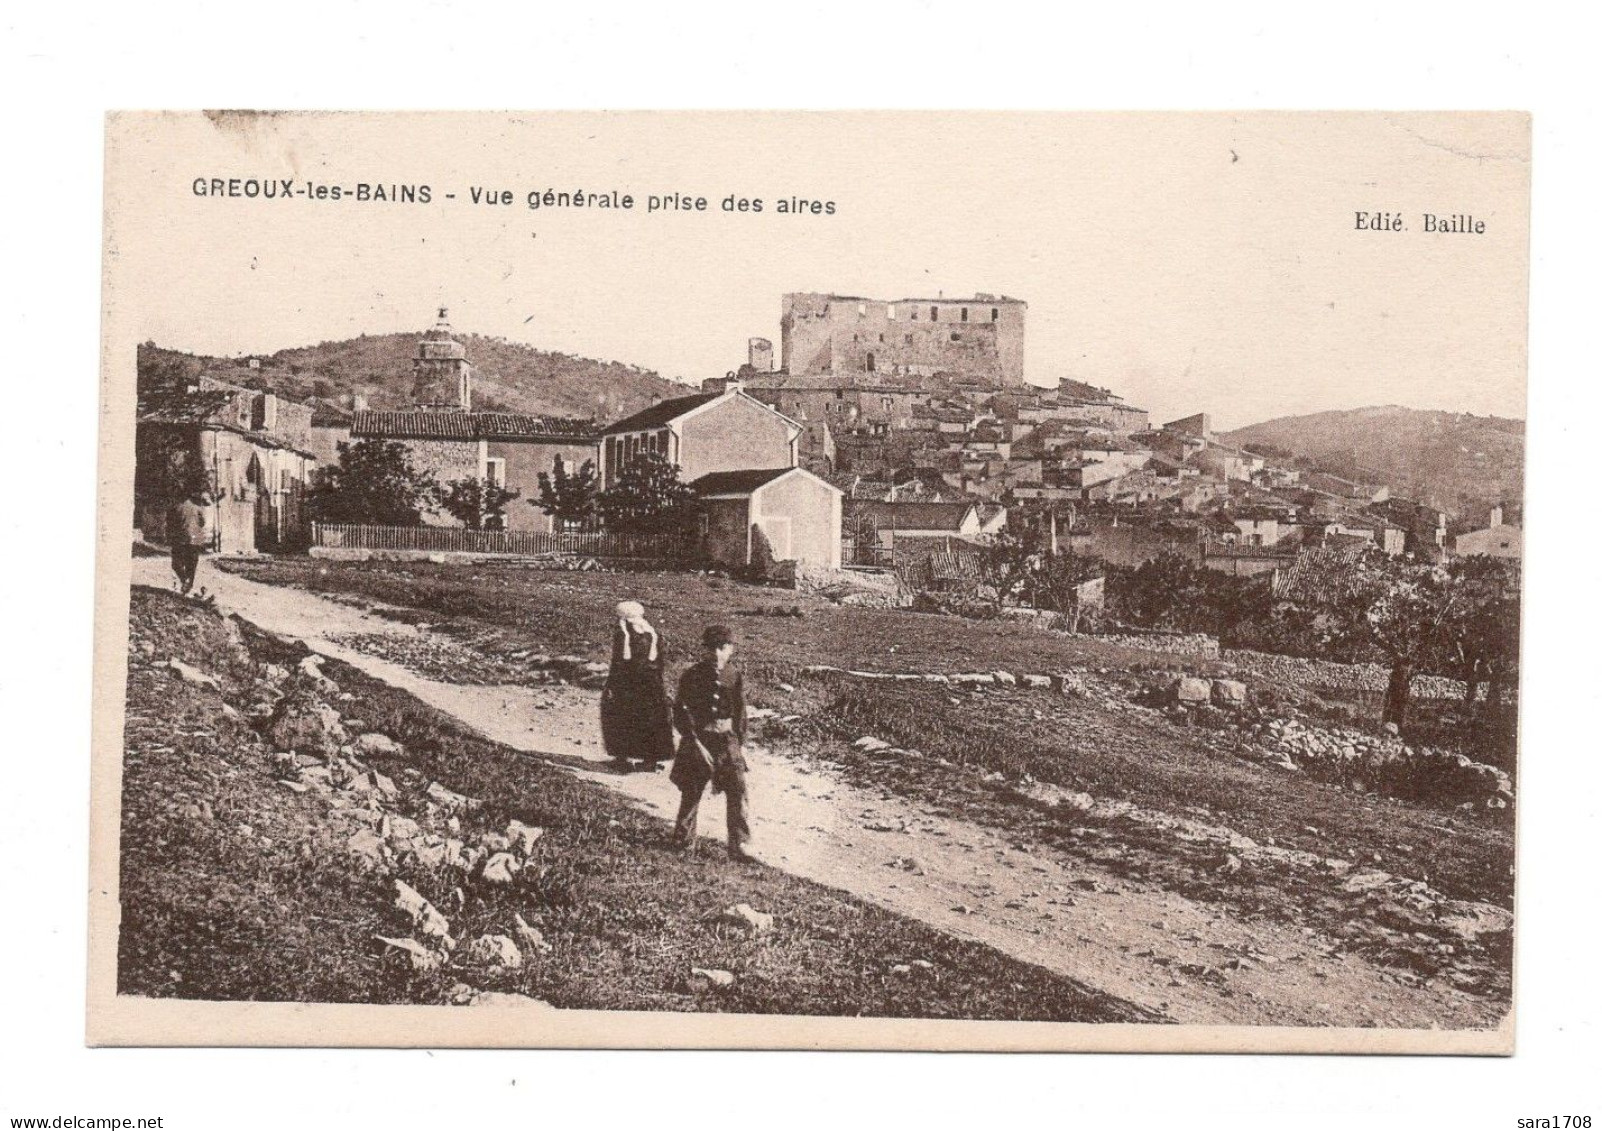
(882, 429)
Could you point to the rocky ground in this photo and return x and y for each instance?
(296, 830)
(1087, 821)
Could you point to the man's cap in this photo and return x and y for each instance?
(716, 636)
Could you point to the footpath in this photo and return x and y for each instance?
(1189, 961)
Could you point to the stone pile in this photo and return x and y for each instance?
(1191, 644)
(319, 751)
(1382, 763)
(1337, 677)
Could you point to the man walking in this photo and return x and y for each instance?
(710, 715)
(186, 530)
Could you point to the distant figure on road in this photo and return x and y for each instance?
(710, 715)
(635, 723)
(186, 531)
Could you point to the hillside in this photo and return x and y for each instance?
(1459, 462)
(508, 376)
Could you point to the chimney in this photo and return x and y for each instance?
(1496, 516)
(358, 402)
(759, 355)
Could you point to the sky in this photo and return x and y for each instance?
(1189, 262)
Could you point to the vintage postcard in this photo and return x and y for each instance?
(810, 580)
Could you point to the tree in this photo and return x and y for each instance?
(863, 533)
(1057, 586)
(568, 496)
(1006, 564)
(374, 482)
(478, 504)
(1481, 628)
(648, 497)
(1397, 608)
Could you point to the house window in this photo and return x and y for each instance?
(934, 314)
(881, 337)
(862, 310)
(495, 471)
(890, 312)
(995, 314)
(956, 336)
(965, 314)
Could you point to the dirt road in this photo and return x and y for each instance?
(1190, 961)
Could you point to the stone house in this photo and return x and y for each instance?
(509, 449)
(703, 433)
(249, 450)
(763, 515)
(1497, 539)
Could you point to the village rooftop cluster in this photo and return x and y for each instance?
(885, 429)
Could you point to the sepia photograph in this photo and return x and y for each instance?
(836, 580)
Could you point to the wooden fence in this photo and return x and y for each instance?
(526, 543)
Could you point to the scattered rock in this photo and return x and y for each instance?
(744, 915)
(523, 837)
(720, 979)
(417, 956)
(368, 849)
(500, 868)
(447, 799)
(532, 937)
(376, 745)
(870, 745)
(1229, 693)
(308, 726)
(193, 676)
(427, 917)
(1189, 689)
(495, 951)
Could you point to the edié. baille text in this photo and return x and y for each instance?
(1453, 224)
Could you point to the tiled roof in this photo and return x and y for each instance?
(422, 425)
(660, 413)
(737, 482)
(915, 516)
(511, 425)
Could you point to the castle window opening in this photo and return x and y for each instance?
(890, 312)
(965, 314)
(870, 363)
(934, 314)
(995, 314)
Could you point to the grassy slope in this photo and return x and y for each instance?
(235, 888)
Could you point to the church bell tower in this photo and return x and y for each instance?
(442, 379)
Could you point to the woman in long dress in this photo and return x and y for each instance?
(636, 724)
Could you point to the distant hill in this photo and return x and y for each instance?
(1461, 463)
(508, 376)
